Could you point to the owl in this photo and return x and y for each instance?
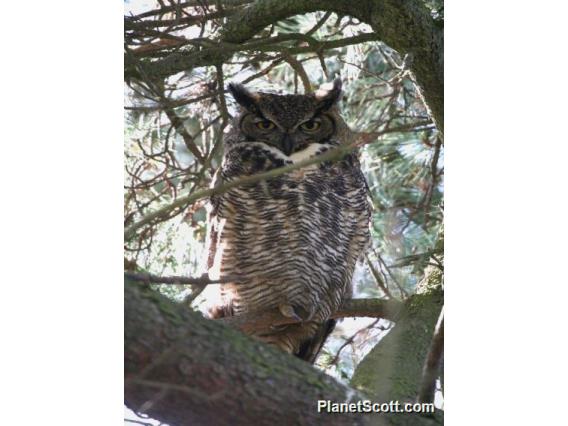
(292, 240)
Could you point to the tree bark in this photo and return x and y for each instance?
(183, 369)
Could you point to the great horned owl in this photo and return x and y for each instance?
(293, 240)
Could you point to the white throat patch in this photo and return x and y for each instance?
(310, 151)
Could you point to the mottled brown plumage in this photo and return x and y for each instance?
(294, 239)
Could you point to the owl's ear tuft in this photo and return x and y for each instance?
(328, 96)
(244, 97)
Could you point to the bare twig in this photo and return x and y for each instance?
(383, 264)
(198, 195)
(131, 24)
(297, 66)
(319, 23)
(378, 278)
(177, 122)
(213, 53)
(138, 422)
(185, 4)
(431, 369)
(351, 339)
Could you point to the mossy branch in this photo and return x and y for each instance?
(183, 369)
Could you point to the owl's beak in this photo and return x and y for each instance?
(287, 144)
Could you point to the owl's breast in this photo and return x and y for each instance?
(294, 238)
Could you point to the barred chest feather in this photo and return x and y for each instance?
(295, 238)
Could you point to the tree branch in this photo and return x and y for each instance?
(334, 154)
(331, 155)
(213, 52)
(155, 279)
(254, 321)
(133, 24)
(393, 368)
(182, 369)
(405, 25)
(185, 4)
(433, 362)
(374, 308)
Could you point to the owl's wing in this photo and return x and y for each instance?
(310, 349)
(213, 255)
(230, 168)
(212, 239)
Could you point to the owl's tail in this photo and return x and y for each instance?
(310, 348)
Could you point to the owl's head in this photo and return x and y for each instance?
(287, 122)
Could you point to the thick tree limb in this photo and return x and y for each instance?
(183, 369)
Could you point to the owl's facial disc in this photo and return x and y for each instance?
(289, 123)
(288, 140)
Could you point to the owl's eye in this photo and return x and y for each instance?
(265, 125)
(310, 126)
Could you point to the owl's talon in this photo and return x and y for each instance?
(288, 311)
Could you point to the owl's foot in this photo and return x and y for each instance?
(220, 311)
(215, 312)
(289, 312)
